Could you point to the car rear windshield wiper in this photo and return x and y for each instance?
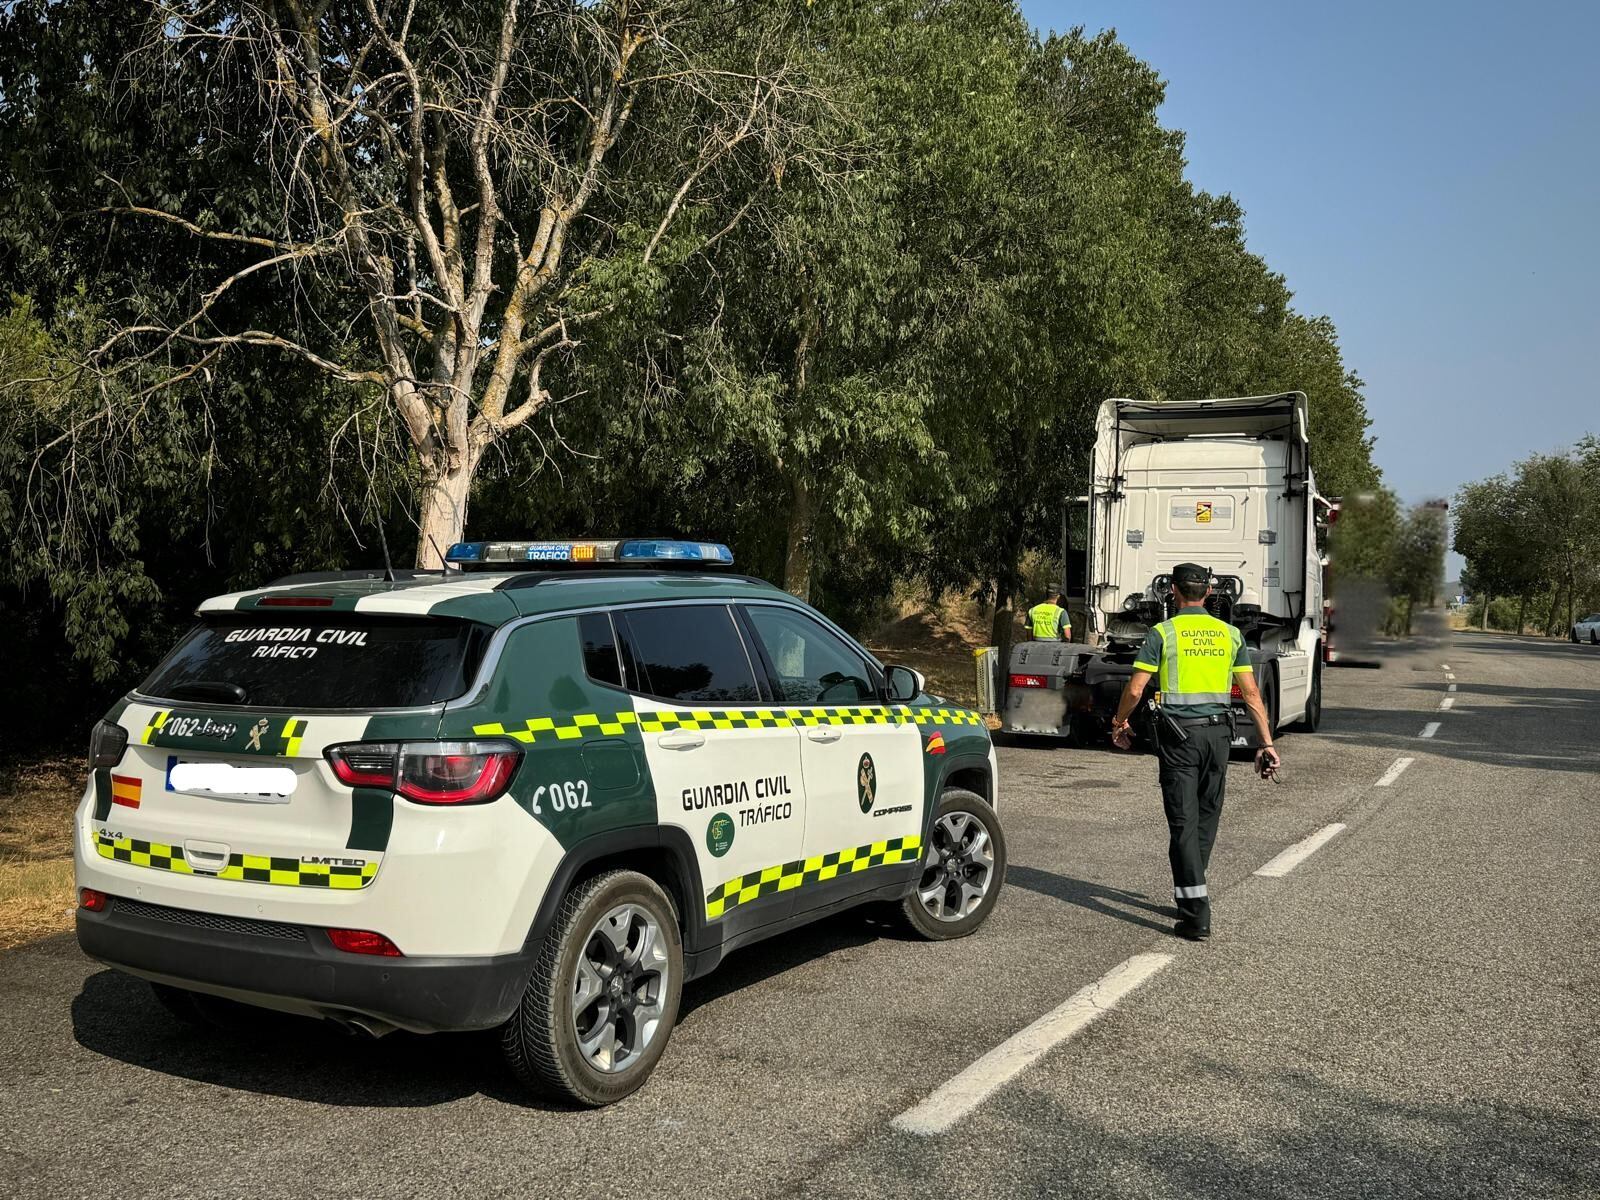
(207, 689)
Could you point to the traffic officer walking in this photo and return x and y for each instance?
(1049, 622)
(1198, 659)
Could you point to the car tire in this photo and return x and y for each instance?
(618, 933)
(964, 839)
(1594, 637)
(1313, 715)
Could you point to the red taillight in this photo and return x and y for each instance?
(365, 764)
(455, 772)
(295, 602)
(1027, 681)
(92, 900)
(429, 772)
(363, 941)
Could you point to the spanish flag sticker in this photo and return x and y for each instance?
(125, 790)
(935, 743)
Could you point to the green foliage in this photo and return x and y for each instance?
(1416, 562)
(1535, 535)
(882, 365)
(1362, 541)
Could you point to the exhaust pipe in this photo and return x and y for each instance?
(356, 1025)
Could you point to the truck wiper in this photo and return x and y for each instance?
(208, 689)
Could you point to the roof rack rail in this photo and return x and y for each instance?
(337, 576)
(528, 579)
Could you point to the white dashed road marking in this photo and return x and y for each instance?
(1296, 854)
(1394, 772)
(1447, 703)
(1444, 666)
(1451, 688)
(1431, 728)
(957, 1097)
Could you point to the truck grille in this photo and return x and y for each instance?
(202, 920)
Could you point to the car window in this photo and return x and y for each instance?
(813, 664)
(340, 661)
(599, 644)
(688, 653)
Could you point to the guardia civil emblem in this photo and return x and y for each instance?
(866, 782)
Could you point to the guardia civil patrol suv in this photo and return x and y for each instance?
(539, 792)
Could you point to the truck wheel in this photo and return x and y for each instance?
(604, 992)
(1313, 717)
(1269, 698)
(963, 866)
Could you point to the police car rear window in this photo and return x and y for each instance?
(350, 662)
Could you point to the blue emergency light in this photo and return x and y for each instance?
(589, 552)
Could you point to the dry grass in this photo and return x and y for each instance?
(936, 637)
(36, 848)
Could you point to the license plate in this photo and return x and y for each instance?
(255, 785)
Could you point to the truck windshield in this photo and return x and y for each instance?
(348, 661)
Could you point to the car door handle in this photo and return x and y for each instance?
(681, 739)
(823, 733)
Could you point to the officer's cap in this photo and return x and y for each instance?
(1190, 573)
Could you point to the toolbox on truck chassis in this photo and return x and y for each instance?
(1226, 483)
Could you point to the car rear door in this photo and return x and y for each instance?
(861, 758)
(726, 768)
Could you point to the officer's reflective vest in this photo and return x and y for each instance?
(1197, 656)
(1046, 620)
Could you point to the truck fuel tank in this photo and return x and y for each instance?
(1045, 687)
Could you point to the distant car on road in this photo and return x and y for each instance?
(1588, 630)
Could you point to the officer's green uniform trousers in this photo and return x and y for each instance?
(1194, 657)
(1194, 775)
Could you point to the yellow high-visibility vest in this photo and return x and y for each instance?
(1046, 621)
(1199, 656)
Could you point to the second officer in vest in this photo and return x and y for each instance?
(1198, 659)
(1049, 622)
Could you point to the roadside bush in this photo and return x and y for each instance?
(1502, 613)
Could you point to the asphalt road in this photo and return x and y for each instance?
(1413, 1010)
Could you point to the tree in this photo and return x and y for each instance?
(1416, 564)
(471, 190)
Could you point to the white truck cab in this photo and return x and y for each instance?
(1226, 483)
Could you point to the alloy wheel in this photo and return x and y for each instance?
(619, 988)
(958, 869)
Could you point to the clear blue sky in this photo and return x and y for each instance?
(1426, 174)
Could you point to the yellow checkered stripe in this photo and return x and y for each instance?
(157, 720)
(664, 720)
(787, 876)
(248, 868)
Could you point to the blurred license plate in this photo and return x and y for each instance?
(258, 785)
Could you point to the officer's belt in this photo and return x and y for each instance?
(1210, 719)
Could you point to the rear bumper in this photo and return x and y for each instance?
(294, 968)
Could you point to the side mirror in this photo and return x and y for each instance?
(905, 685)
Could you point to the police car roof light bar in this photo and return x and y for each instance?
(589, 552)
